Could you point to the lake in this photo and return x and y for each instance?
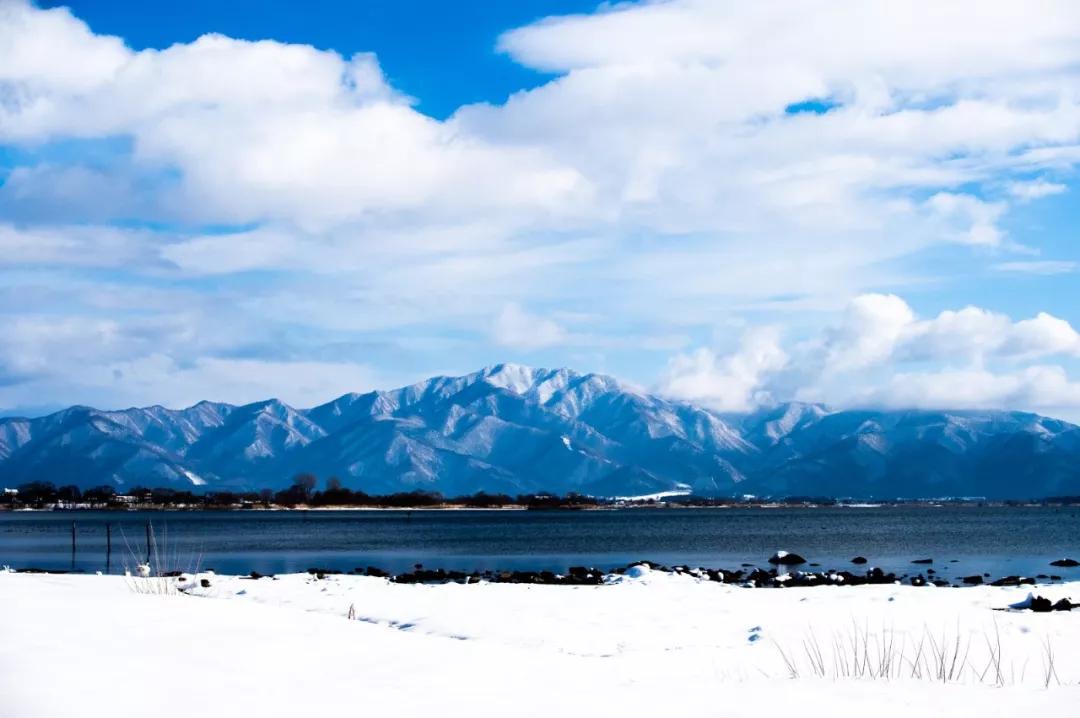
(999, 540)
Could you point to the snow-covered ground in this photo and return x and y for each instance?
(99, 646)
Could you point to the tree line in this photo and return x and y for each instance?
(303, 491)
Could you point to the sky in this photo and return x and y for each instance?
(867, 204)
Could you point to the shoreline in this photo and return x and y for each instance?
(665, 506)
(777, 576)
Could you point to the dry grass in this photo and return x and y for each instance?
(161, 560)
(945, 657)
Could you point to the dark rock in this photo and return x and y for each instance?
(1041, 605)
(374, 572)
(1014, 581)
(783, 558)
(1065, 605)
(923, 560)
(973, 580)
(255, 575)
(918, 581)
(205, 583)
(859, 560)
(171, 574)
(322, 572)
(877, 576)
(761, 577)
(1065, 563)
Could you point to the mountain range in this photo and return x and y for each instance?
(516, 429)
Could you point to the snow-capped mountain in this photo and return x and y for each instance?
(517, 429)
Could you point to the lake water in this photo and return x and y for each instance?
(995, 540)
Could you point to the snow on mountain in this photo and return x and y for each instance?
(516, 429)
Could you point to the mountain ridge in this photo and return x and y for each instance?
(519, 429)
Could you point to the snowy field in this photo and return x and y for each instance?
(655, 644)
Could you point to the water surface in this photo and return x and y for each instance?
(999, 541)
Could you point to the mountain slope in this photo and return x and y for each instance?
(511, 428)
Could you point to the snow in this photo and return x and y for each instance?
(93, 646)
(659, 495)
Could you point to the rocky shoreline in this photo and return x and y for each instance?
(779, 575)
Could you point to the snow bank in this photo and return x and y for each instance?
(92, 646)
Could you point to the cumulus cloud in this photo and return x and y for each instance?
(727, 382)
(881, 353)
(1040, 388)
(883, 328)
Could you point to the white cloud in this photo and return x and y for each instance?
(967, 219)
(657, 180)
(732, 382)
(1037, 267)
(128, 382)
(873, 326)
(1034, 189)
(1039, 388)
(517, 329)
(879, 329)
(880, 353)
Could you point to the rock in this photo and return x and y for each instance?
(322, 572)
(877, 576)
(972, 580)
(1065, 563)
(761, 577)
(1014, 581)
(859, 560)
(205, 582)
(783, 558)
(1041, 605)
(374, 572)
(923, 560)
(1065, 605)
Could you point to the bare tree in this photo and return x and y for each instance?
(305, 482)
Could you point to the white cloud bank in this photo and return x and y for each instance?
(690, 159)
(882, 354)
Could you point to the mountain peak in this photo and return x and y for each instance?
(517, 429)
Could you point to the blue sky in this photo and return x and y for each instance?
(440, 53)
(250, 199)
